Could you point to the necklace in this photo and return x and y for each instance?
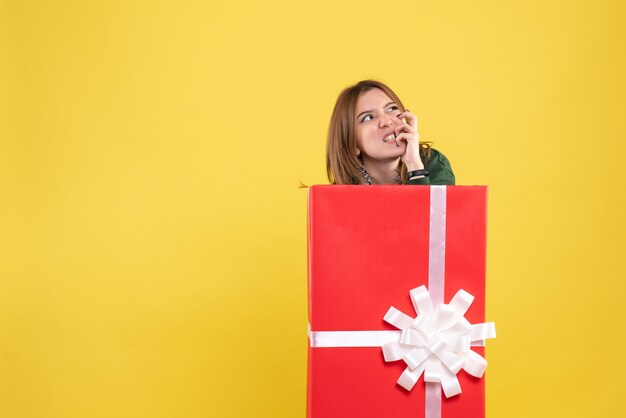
(369, 180)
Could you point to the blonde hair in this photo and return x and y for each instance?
(342, 162)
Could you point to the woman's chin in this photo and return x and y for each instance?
(393, 152)
(387, 153)
(388, 156)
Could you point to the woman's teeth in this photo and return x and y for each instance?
(389, 138)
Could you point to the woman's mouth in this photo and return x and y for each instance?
(390, 137)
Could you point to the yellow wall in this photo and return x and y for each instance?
(152, 235)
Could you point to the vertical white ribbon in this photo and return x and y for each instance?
(436, 279)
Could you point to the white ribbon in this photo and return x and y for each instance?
(436, 279)
(437, 342)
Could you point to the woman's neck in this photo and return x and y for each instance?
(383, 172)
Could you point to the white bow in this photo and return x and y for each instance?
(437, 342)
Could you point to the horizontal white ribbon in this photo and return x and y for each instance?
(436, 343)
(352, 338)
(328, 339)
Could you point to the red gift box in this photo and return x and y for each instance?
(368, 247)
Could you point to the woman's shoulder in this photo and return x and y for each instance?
(439, 168)
(436, 157)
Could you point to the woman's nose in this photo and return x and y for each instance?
(385, 120)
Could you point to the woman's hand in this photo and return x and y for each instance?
(407, 132)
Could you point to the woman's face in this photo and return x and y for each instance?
(377, 116)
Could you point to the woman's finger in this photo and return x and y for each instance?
(410, 117)
(404, 128)
(413, 137)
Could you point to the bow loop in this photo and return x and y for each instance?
(416, 357)
(398, 319)
(421, 300)
(484, 331)
(461, 301)
(475, 364)
(437, 342)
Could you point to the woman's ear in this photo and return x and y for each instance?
(358, 152)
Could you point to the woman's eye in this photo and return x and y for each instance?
(365, 118)
(393, 107)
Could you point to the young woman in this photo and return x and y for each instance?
(373, 139)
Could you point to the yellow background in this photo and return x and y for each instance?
(153, 236)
